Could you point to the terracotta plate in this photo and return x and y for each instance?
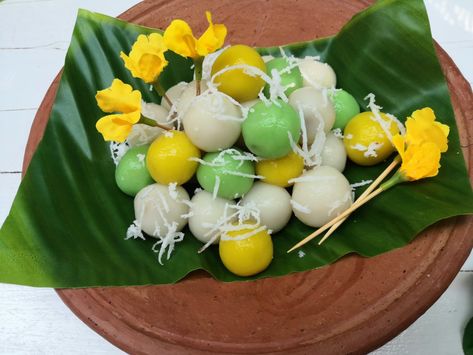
(354, 305)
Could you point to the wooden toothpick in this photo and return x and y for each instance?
(370, 189)
(367, 196)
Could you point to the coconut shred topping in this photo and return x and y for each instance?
(301, 208)
(337, 132)
(168, 241)
(360, 184)
(370, 150)
(312, 155)
(385, 124)
(339, 203)
(134, 231)
(118, 150)
(219, 161)
(168, 237)
(236, 217)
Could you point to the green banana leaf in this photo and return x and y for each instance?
(468, 338)
(67, 224)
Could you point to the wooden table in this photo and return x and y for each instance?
(34, 36)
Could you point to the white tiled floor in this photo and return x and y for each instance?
(34, 35)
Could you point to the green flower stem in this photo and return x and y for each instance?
(152, 123)
(396, 179)
(161, 92)
(198, 73)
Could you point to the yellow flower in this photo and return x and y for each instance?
(146, 59)
(421, 127)
(119, 97)
(418, 161)
(421, 147)
(179, 38)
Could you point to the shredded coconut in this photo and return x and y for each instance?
(359, 147)
(400, 126)
(209, 61)
(242, 214)
(238, 173)
(172, 187)
(244, 236)
(118, 150)
(375, 109)
(339, 203)
(246, 156)
(298, 207)
(168, 134)
(216, 187)
(191, 212)
(311, 178)
(168, 242)
(337, 132)
(312, 156)
(300, 254)
(141, 158)
(163, 202)
(276, 90)
(188, 215)
(134, 231)
(206, 163)
(371, 150)
(360, 184)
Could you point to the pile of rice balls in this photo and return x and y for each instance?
(266, 138)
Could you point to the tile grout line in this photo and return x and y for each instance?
(19, 109)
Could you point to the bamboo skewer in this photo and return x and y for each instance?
(337, 219)
(168, 100)
(370, 189)
(358, 203)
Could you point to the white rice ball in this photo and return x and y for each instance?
(323, 194)
(155, 206)
(174, 94)
(212, 122)
(142, 134)
(317, 74)
(315, 107)
(188, 95)
(273, 202)
(334, 153)
(206, 211)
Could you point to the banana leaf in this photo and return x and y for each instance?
(67, 224)
(468, 338)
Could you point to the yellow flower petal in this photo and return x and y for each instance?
(119, 97)
(421, 161)
(146, 59)
(117, 127)
(148, 64)
(399, 143)
(212, 39)
(179, 38)
(421, 127)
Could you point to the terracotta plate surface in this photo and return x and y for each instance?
(352, 306)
